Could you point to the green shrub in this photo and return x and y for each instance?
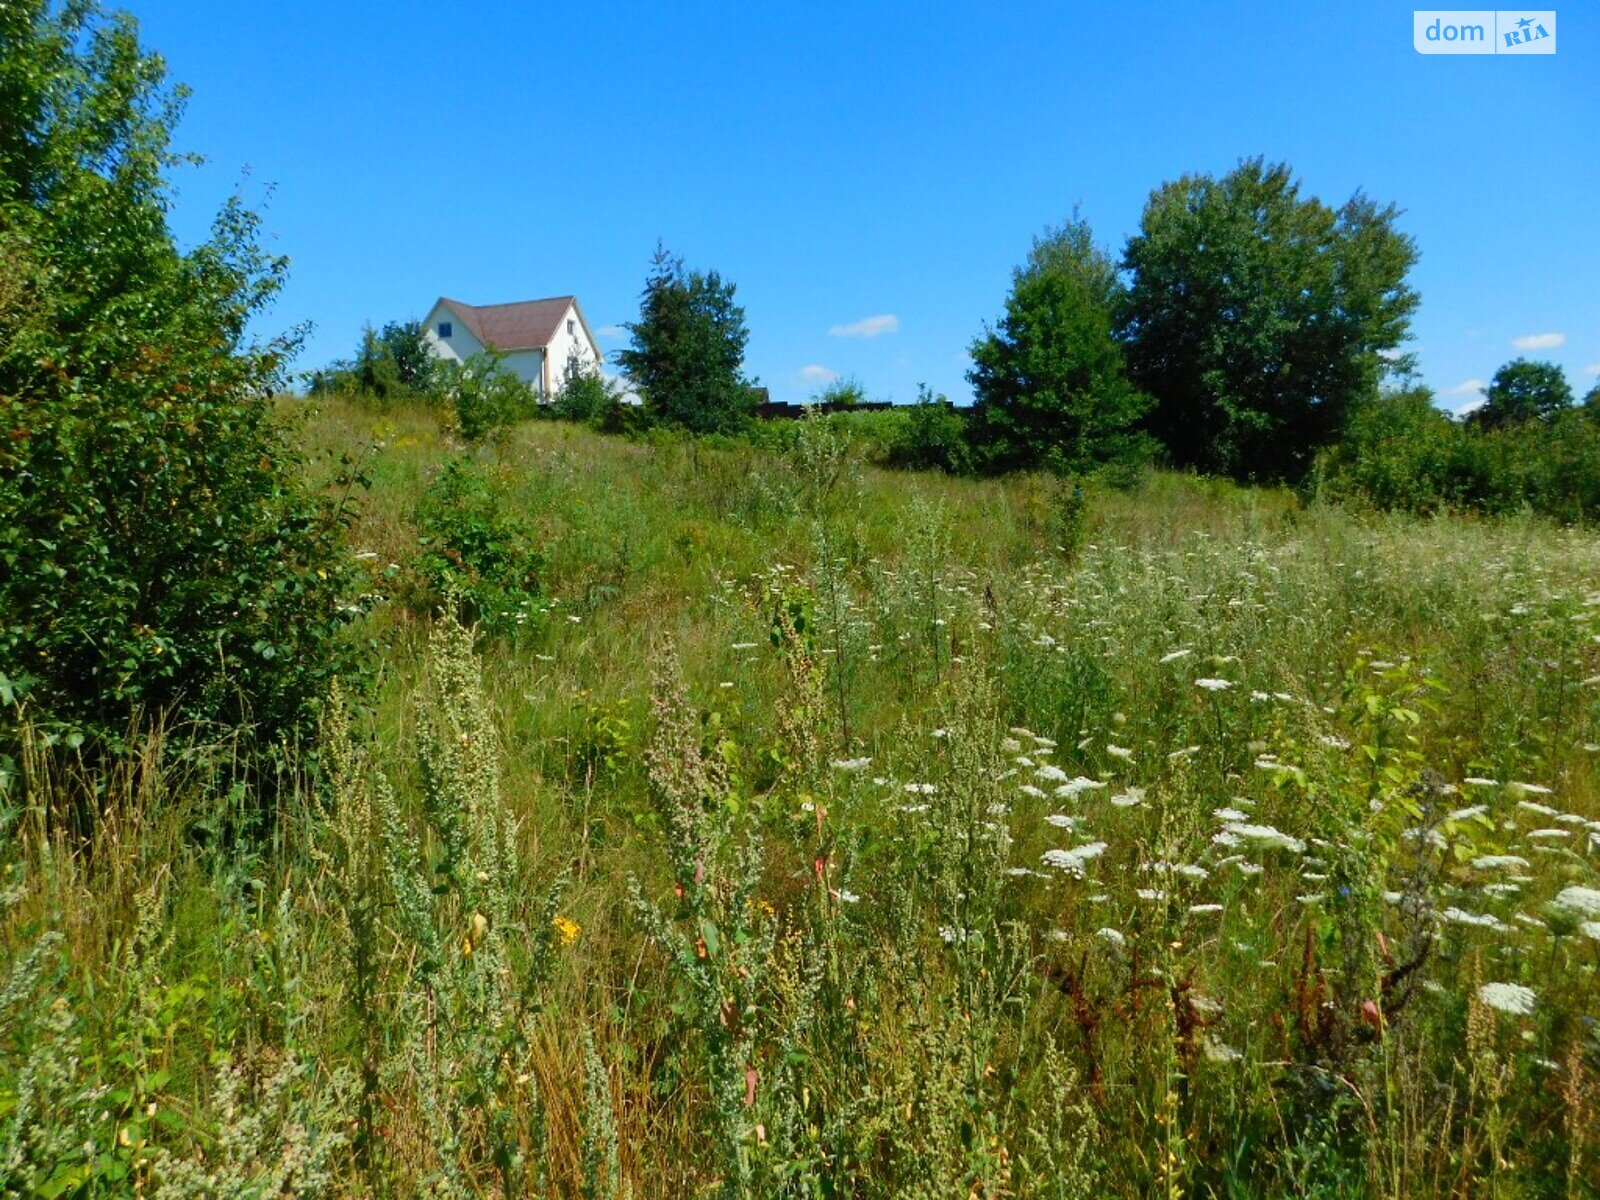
(934, 436)
(476, 555)
(586, 395)
(159, 554)
(484, 396)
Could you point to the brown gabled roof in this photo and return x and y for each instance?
(526, 325)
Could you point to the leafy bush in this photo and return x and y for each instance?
(933, 437)
(1401, 452)
(160, 554)
(586, 395)
(485, 397)
(476, 555)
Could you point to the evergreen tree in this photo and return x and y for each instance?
(688, 348)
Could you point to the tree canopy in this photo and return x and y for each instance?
(1256, 317)
(687, 355)
(1049, 378)
(1524, 390)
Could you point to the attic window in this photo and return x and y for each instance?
(445, 329)
(572, 327)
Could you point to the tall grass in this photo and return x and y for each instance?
(847, 833)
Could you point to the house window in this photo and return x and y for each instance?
(445, 329)
(572, 327)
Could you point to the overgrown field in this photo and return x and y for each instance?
(794, 828)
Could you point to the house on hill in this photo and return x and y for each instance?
(537, 338)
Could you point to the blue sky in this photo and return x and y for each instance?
(879, 163)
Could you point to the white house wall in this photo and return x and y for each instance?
(564, 345)
(459, 346)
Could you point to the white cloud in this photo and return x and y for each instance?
(610, 331)
(1592, 369)
(1472, 390)
(1540, 341)
(814, 373)
(867, 327)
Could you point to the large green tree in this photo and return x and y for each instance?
(159, 556)
(1257, 316)
(1049, 379)
(688, 346)
(1524, 390)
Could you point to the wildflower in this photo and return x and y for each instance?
(846, 896)
(1496, 862)
(1205, 908)
(850, 764)
(1186, 752)
(1480, 781)
(1214, 685)
(1128, 798)
(1051, 774)
(1531, 789)
(1333, 741)
(1218, 1052)
(567, 930)
(1548, 834)
(1460, 916)
(1010, 745)
(1028, 789)
(1261, 835)
(1175, 655)
(1510, 998)
(1062, 821)
(1466, 814)
(1150, 893)
(1077, 786)
(1121, 752)
(744, 645)
(1229, 814)
(1580, 901)
(1072, 861)
(921, 789)
(1544, 810)
(1113, 936)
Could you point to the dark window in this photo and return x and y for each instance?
(445, 329)
(572, 327)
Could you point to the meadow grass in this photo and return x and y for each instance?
(838, 832)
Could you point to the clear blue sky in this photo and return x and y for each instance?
(842, 162)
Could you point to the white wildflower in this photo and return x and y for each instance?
(1072, 861)
(1510, 998)
(1498, 862)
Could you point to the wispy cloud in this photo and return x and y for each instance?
(814, 373)
(868, 327)
(1470, 392)
(1592, 369)
(610, 331)
(1539, 341)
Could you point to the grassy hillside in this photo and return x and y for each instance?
(824, 831)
